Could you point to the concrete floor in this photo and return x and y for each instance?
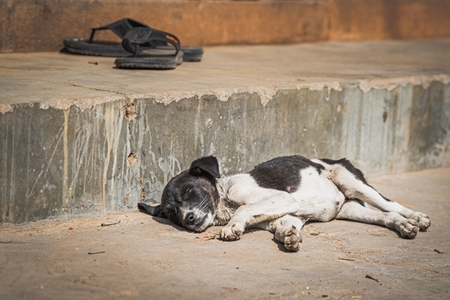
(146, 258)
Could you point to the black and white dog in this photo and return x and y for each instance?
(279, 195)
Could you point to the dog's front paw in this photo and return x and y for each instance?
(292, 239)
(422, 220)
(232, 232)
(407, 228)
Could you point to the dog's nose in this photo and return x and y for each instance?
(190, 218)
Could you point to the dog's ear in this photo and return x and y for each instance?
(155, 211)
(208, 165)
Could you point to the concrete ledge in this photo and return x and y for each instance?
(30, 26)
(82, 138)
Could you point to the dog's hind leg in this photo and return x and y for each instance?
(354, 211)
(286, 230)
(352, 183)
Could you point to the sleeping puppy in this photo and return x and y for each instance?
(279, 195)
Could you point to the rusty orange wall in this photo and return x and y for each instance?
(28, 25)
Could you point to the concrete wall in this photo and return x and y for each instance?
(70, 162)
(29, 25)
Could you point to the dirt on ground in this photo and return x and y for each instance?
(134, 256)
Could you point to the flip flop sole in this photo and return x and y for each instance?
(155, 63)
(104, 48)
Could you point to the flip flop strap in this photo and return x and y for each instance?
(145, 36)
(120, 27)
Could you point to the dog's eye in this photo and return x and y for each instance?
(188, 190)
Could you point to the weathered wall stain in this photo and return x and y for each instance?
(429, 126)
(63, 163)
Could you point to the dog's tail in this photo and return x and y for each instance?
(155, 211)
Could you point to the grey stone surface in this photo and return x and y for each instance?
(61, 80)
(146, 258)
(80, 138)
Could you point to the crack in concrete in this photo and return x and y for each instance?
(93, 88)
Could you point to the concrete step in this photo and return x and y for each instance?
(29, 25)
(79, 137)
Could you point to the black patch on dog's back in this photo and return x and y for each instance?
(282, 173)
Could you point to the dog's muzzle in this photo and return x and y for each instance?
(197, 221)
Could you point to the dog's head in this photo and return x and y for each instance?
(190, 199)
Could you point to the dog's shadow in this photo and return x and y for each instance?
(279, 244)
(165, 221)
(170, 223)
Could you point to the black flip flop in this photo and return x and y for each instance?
(138, 40)
(115, 49)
